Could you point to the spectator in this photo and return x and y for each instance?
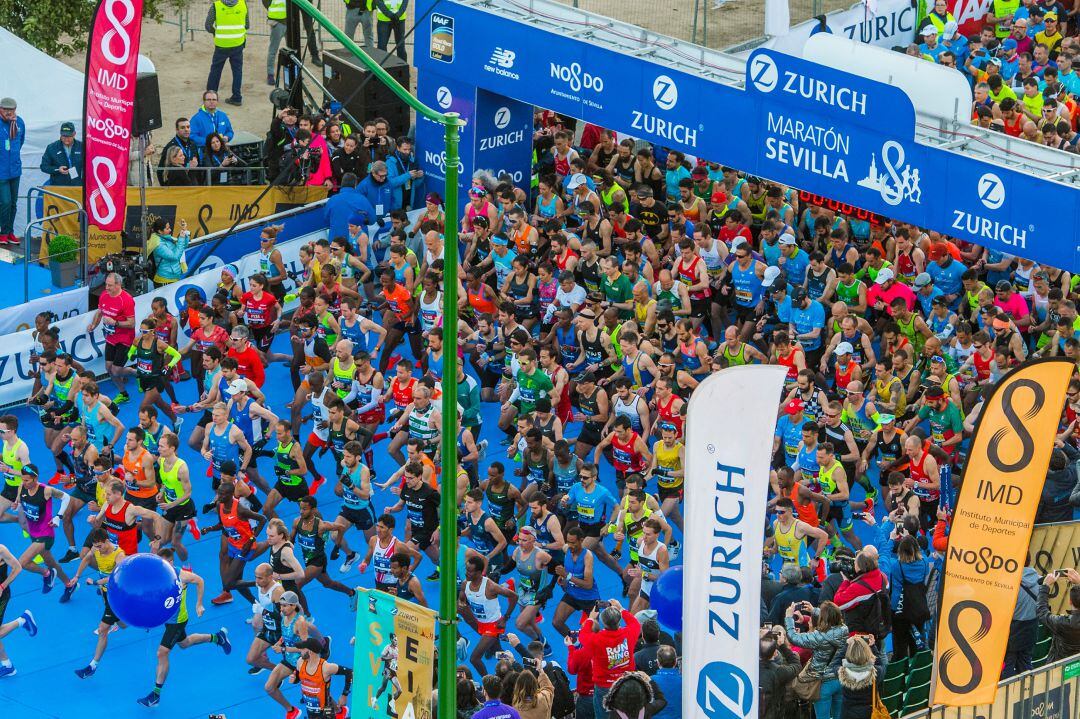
(563, 701)
(378, 188)
(227, 21)
(402, 161)
(216, 153)
(669, 680)
(533, 694)
(794, 591)
(645, 656)
(467, 701)
(633, 696)
(777, 668)
(827, 640)
(857, 676)
(579, 663)
(1064, 629)
(1061, 481)
(1022, 632)
(844, 563)
(175, 171)
(859, 598)
(493, 708)
(167, 251)
(390, 15)
(907, 579)
(10, 168)
(209, 119)
(63, 158)
(279, 139)
(351, 158)
(358, 12)
(611, 648)
(341, 208)
(183, 140)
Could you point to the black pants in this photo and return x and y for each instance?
(382, 33)
(1022, 635)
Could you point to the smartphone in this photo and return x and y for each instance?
(573, 634)
(603, 604)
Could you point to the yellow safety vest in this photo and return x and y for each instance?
(276, 11)
(1000, 9)
(394, 6)
(229, 30)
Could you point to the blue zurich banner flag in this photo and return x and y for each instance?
(729, 430)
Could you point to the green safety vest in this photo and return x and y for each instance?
(229, 30)
(1000, 8)
(397, 7)
(276, 11)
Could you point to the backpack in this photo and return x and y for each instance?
(875, 614)
(913, 606)
(563, 702)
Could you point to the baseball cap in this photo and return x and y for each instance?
(238, 385)
(576, 180)
(699, 173)
(8, 103)
(1050, 16)
(798, 295)
(787, 239)
(794, 406)
(1008, 45)
(289, 598)
(951, 28)
(1002, 285)
(929, 30)
(884, 275)
(886, 419)
(719, 197)
(433, 198)
(844, 348)
(923, 279)
(771, 273)
(67, 129)
(994, 61)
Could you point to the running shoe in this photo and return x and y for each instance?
(869, 509)
(871, 494)
(177, 425)
(255, 671)
(675, 549)
(70, 555)
(293, 713)
(319, 481)
(335, 553)
(434, 576)
(223, 598)
(86, 672)
(29, 624)
(150, 700)
(121, 398)
(350, 560)
(55, 479)
(462, 650)
(8, 671)
(342, 713)
(223, 640)
(193, 527)
(481, 449)
(68, 592)
(48, 581)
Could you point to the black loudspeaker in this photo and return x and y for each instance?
(147, 114)
(343, 76)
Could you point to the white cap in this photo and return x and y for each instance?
(738, 240)
(771, 273)
(844, 348)
(576, 180)
(787, 239)
(951, 28)
(238, 385)
(929, 30)
(884, 275)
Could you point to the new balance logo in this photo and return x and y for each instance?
(503, 58)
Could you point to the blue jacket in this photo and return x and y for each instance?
(56, 157)
(397, 166)
(346, 203)
(168, 253)
(384, 193)
(670, 683)
(11, 149)
(203, 123)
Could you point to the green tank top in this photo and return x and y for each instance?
(606, 196)
(758, 207)
(848, 294)
(171, 486)
(330, 337)
(343, 378)
(670, 297)
(62, 388)
(284, 464)
(500, 505)
(739, 358)
(825, 477)
(148, 361)
(420, 427)
(181, 611)
(633, 530)
(311, 541)
(11, 459)
(908, 330)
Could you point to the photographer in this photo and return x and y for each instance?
(777, 666)
(579, 663)
(1064, 629)
(216, 153)
(794, 591)
(908, 573)
(827, 641)
(300, 160)
(1024, 627)
(1061, 480)
(533, 692)
(167, 251)
(611, 647)
(861, 597)
(280, 138)
(840, 568)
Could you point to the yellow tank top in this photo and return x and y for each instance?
(106, 563)
(788, 544)
(641, 312)
(667, 463)
(825, 478)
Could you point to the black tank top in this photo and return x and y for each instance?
(593, 349)
(588, 404)
(276, 562)
(589, 276)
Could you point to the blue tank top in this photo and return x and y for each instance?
(809, 465)
(568, 344)
(221, 449)
(543, 534)
(357, 336)
(576, 568)
(637, 376)
(434, 365)
(290, 638)
(351, 482)
(223, 388)
(690, 360)
(96, 428)
(747, 285)
(242, 419)
(565, 477)
(549, 210)
(481, 539)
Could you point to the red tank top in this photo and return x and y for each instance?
(918, 475)
(688, 276)
(788, 361)
(479, 302)
(237, 530)
(126, 535)
(982, 366)
(624, 457)
(561, 262)
(905, 267)
(403, 394)
(668, 416)
(843, 379)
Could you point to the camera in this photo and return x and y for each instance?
(530, 663)
(843, 565)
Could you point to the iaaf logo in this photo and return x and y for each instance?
(970, 10)
(118, 30)
(107, 127)
(101, 207)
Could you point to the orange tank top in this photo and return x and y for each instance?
(313, 686)
(805, 512)
(479, 302)
(133, 473)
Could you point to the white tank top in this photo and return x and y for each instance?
(320, 415)
(263, 600)
(713, 263)
(484, 609)
(647, 562)
(430, 312)
(380, 560)
(629, 411)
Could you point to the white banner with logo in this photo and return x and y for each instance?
(890, 23)
(62, 305)
(729, 428)
(87, 348)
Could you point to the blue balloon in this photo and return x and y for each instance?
(144, 591)
(666, 599)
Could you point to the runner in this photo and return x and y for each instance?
(310, 533)
(354, 488)
(234, 522)
(289, 468)
(534, 585)
(421, 503)
(478, 599)
(9, 569)
(265, 620)
(576, 577)
(104, 557)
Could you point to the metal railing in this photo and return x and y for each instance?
(213, 176)
(1050, 692)
(41, 193)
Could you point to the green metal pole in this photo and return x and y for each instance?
(448, 537)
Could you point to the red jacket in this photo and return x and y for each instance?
(611, 650)
(579, 662)
(249, 365)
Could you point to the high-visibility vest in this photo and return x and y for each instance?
(394, 6)
(229, 30)
(276, 11)
(1001, 8)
